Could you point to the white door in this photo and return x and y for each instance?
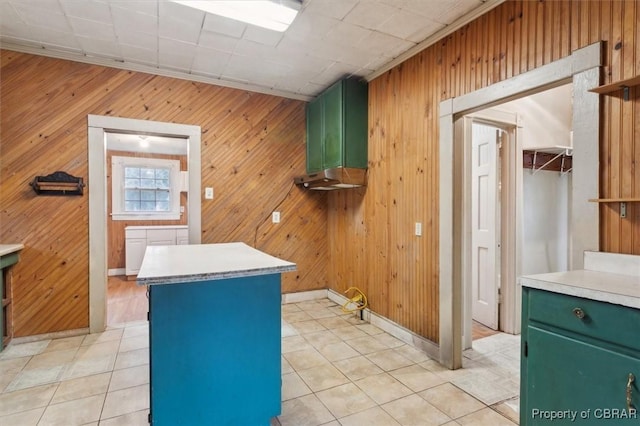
(484, 225)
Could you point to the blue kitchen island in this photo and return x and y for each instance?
(214, 334)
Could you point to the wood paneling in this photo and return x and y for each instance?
(252, 147)
(372, 243)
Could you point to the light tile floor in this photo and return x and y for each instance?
(336, 370)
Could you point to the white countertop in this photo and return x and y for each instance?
(10, 248)
(203, 262)
(157, 227)
(602, 286)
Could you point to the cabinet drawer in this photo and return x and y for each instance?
(161, 235)
(135, 233)
(604, 321)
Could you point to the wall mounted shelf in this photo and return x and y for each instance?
(615, 200)
(623, 85)
(623, 203)
(58, 183)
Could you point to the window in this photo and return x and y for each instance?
(145, 188)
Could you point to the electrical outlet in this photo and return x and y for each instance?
(208, 193)
(275, 217)
(418, 229)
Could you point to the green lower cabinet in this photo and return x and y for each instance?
(569, 378)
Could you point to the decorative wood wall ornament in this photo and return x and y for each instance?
(58, 183)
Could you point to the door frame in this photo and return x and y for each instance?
(510, 173)
(582, 67)
(98, 125)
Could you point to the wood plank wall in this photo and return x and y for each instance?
(371, 231)
(252, 147)
(115, 228)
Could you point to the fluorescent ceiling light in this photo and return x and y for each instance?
(275, 15)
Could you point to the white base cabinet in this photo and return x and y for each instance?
(137, 238)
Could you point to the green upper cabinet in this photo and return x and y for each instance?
(314, 135)
(337, 127)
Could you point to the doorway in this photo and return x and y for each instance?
(582, 68)
(98, 127)
(147, 193)
(521, 225)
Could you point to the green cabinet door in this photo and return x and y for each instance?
(355, 131)
(337, 127)
(575, 378)
(315, 135)
(333, 127)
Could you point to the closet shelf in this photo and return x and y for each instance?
(555, 158)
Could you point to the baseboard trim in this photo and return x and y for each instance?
(396, 330)
(49, 336)
(303, 296)
(116, 272)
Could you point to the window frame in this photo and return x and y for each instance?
(118, 165)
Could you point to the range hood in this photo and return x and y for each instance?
(336, 178)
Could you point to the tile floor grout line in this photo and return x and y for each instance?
(489, 359)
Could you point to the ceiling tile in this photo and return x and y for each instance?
(328, 39)
(370, 17)
(23, 41)
(311, 25)
(139, 40)
(218, 24)
(447, 12)
(140, 6)
(218, 42)
(138, 55)
(50, 5)
(210, 62)
(178, 22)
(262, 36)
(43, 18)
(179, 12)
(383, 44)
(429, 27)
(88, 9)
(333, 73)
(84, 27)
(402, 24)
(11, 24)
(244, 68)
(99, 48)
(175, 54)
(349, 34)
(126, 21)
(336, 9)
(57, 40)
(10, 17)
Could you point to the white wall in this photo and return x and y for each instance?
(545, 222)
(546, 117)
(546, 120)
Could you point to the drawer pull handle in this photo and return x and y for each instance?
(630, 380)
(579, 313)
